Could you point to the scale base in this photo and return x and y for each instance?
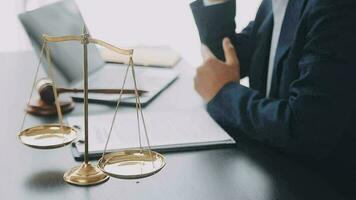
(85, 175)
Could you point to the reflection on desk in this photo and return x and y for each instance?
(247, 171)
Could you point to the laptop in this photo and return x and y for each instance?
(64, 18)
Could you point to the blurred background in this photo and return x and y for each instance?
(125, 23)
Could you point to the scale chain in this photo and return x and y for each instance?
(138, 123)
(51, 76)
(33, 85)
(140, 108)
(116, 110)
(57, 104)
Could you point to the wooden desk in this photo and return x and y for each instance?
(248, 171)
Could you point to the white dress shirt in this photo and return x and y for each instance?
(279, 8)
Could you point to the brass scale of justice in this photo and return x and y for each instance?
(125, 164)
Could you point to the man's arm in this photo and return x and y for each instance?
(322, 99)
(217, 22)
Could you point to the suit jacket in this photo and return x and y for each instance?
(312, 108)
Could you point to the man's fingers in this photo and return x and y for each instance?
(206, 53)
(229, 51)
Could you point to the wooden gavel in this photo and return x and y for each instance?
(45, 90)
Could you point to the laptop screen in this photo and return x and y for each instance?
(58, 19)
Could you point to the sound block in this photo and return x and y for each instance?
(40, 108)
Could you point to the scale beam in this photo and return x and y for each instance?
(47, 38)
(127, 164)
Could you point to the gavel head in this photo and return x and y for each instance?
(45, 90)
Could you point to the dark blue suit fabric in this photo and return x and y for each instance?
(312, 108)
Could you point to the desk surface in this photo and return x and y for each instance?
(248, 171)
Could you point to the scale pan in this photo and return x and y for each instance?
(132, 164)
(48, 136)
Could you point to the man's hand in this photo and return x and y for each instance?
(213, 74)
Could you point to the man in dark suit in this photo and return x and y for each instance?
(301, 61)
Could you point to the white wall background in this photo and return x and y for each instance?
(125, 23)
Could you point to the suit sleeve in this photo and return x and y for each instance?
(218, 21)
(321, 100)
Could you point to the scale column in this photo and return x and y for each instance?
(86, 103)
(85, 174)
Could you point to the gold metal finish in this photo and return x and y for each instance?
(47, 38)
(85, 41)
(127, 164)
(128, 52)
(85, 175)
(49, 136)
(50, 72)
(90, 40)
(132, 164)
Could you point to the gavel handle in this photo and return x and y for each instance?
(102, 91)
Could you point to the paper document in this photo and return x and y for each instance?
(165, 130)
(156, 56)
